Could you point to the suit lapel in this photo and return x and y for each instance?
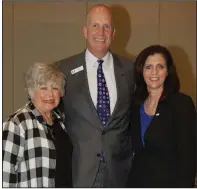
(94, 118)
(121, 86)
(86, 104)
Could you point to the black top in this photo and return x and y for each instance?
(63, 146)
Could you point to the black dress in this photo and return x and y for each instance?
(63, 146)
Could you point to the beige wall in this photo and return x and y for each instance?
(38, 31)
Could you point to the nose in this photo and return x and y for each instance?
(101, 30)
(50, 92)
(154, 70)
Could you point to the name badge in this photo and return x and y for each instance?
(74, 71)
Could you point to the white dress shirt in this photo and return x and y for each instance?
(108, 69)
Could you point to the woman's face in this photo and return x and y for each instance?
(46, 97)
(155, 71)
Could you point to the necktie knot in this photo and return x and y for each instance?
(100, 61)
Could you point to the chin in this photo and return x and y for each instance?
(50, 108)
(157, 87)
(102, 50)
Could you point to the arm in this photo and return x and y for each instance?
(13, 148)
(185, 119)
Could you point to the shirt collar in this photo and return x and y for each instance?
(91, 59)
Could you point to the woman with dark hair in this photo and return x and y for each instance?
(163, 125)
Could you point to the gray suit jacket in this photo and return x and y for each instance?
(85, 128)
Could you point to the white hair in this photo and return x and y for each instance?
(41, 74)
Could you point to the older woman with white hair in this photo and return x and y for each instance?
(32, 154)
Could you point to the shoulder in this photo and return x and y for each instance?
(19, 117)
(181, 102)
(180, 98)
(71, 59)
(67, 64)
(123, 59)
(127, 63)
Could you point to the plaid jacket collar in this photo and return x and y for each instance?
(56, 114)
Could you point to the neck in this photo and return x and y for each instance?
(155, 93)
(47, 118)
(46, 115)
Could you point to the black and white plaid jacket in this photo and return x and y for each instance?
(29, 157)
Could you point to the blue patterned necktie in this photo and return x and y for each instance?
(103, 101)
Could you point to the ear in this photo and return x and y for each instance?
(85, 31)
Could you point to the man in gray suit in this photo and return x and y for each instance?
(102, 151)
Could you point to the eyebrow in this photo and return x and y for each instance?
(156, 63)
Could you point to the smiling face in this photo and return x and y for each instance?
(46, 97)
(99, 31)
(155, 72)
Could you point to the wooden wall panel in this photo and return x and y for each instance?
(178, 32)
(44, 32)
(7, 68)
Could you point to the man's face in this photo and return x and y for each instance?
(99, 31)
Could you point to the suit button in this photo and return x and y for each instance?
(98, 155)
(103, 132)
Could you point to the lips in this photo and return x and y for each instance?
(99, 40)
(154, 78)
(49, 101)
